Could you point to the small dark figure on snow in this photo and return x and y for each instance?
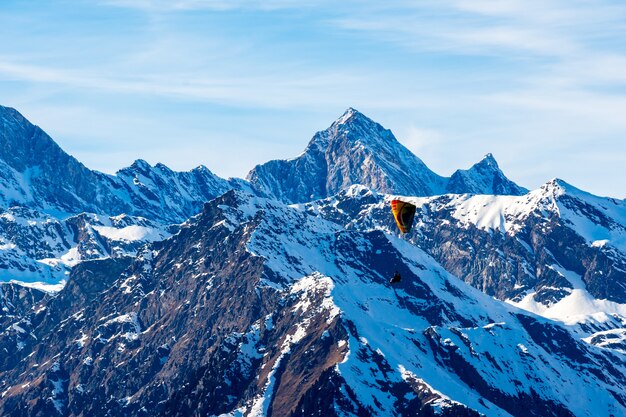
(396, 278)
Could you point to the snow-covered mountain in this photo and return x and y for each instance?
(485, 177)
(353, 150)
(558, 251)
(48, 200)
(257, 308)
(38, 179)
(357, 150)
(36, 172)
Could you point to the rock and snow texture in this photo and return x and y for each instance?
(353, 150)
(36, 247)
(257, 308)
(47, 185)
(36, 172)
(254, 307)
(47, 201)
(557, 251)
(485, 177)
(357, 150)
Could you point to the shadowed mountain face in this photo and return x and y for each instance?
(256, 308)
(357, 150)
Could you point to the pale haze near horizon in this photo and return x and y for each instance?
(234, 84)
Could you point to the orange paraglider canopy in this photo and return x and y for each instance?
(403, 212)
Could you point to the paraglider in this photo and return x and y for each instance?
(403, 213)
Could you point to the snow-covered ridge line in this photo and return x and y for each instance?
(515, 246)
(599, 220)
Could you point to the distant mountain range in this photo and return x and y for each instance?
(154, 292)
(357, 150)
(36, 172)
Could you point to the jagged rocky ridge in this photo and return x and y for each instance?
(55, 212)
(41, 186)
(357, 150)
(257, 308)
(36, 172)
(485, 177)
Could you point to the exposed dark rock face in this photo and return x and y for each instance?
(255, 308)
(531, 249)
(16, 301)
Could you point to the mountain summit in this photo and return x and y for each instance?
(485, 177)
(353, 150)
(357, 150)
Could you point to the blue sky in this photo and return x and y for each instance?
(230, 84)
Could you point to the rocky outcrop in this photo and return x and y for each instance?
(353, 150)
(37, 247)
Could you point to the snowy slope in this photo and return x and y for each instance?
(38, 248)
(257, 308)
(557, 251)
(389, 321)
(45, 195)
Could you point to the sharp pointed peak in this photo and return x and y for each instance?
(350, 111)
(349, 115)
(555, 182)
(202, 168)
(489, 160)
(139, 164)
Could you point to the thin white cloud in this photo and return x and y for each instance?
(252, 90)
(216, 5)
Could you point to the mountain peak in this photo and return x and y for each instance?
(350, 114)
(484, 177)
(560, 187)
(141, 164)
(353, 150)
(8, 111)
(489, 160)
